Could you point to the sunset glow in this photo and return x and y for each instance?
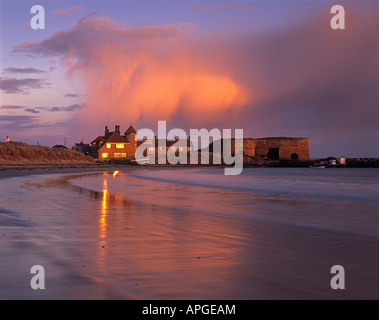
(272, 70)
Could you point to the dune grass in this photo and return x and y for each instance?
(19, 152)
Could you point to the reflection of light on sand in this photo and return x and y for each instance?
(115, 173)
(103, 223)
(104, 207)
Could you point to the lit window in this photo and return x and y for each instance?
(105, 155)
(120, 146)
(117, 155)
(123, 155)
(108, 145)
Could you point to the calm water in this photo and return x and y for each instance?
(191, 234)
(345, 199)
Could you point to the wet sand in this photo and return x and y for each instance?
(96, 243)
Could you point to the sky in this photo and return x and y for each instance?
(272, 68)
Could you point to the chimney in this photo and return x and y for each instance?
(106, 130)
(117, 129)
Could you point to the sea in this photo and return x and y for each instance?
(191, 233)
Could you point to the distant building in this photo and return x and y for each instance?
(160, 145)
(274, 148)
(59, 146)
(113, 145)
(84, 148)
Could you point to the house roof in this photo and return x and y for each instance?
(96, 140)
(116, 138)
(168, 143)
(130, 130)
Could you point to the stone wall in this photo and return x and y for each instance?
(276, 148)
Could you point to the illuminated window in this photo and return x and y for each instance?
(105, 155)
(123, 155)
(120, 146)
(117, 155)
(108, 145)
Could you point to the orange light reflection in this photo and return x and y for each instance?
(103, 222)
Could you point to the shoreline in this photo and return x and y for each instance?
(21, 169)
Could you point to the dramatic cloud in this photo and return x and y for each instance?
(143, 73)
(67, 10)
(303, 80)
(22, 86)
(23, 70)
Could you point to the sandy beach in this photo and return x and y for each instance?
(134, 237)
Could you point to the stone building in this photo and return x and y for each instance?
(277, 148)
(274, 148)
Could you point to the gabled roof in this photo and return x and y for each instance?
(111, 137)
(130, 130)
(115, 137)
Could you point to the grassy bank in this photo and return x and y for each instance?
(19, 152)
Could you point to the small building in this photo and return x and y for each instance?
(84, 148)
(59, 146)
(113, 145)
(160, 145)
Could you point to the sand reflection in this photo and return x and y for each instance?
(161, 251)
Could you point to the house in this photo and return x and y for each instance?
(81, 147)
(159, 145)
(114, 145)
(59, 146)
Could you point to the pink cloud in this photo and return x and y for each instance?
(67, 10)
(144, 73)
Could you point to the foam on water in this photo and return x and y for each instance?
(339, 183)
